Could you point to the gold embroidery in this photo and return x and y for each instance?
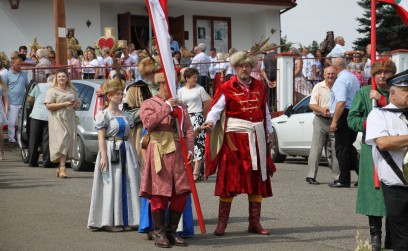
(251, 100)
(250, 108)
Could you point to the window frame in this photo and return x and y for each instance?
(212, 19)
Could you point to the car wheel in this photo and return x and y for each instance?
(81, 164)
(328, 153)
(24, 155)
(276, 156)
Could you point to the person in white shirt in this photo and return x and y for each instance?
(213, 59)
(201, 63)
(387, 132)
(229, 71)
(90, 65)
(367, 65)
(308, 60)
(107, 61)
(197, 102)
(339, 51)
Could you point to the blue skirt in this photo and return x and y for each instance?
(146, 220)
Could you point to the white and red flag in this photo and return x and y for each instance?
(401, 7)
(158, 17)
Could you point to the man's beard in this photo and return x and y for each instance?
(244, 76)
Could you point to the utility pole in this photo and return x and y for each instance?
(60, 32)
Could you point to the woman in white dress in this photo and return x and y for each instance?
(115, 204)
(3, 113)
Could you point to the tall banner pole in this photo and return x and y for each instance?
(373, 59)
(158, 18)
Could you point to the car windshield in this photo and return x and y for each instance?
(302, 106)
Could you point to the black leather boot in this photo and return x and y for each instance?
(375, 223)
(159, 234)
(171, 229)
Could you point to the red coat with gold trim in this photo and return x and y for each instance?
(232, 158)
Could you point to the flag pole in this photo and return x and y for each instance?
(159, 21)
(373, 59)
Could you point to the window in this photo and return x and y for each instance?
(85, 94)
(302, 106)
(213, 31)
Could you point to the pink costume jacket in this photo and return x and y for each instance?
(235, 172)
(156, 116)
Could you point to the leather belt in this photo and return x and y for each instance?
(324, 117)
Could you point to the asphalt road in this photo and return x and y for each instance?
(40, 212)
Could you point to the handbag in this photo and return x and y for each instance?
(145, 141)
(114, 153)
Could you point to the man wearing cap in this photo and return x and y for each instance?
(241, 132)
(164, 178)
(370, 201)
(387, 132)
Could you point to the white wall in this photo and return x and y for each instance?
(35, 18)
(77, 13)
(262, 24)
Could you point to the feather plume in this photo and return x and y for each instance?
(257, 48)
(144, 46)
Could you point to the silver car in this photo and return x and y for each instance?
(86, 129)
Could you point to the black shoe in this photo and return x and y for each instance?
(337, 184)
(33, 165)
(312, 181)
(48, 165)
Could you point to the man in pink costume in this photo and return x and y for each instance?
(164, 177)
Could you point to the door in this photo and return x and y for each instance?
(124, 27)
(177, 29)
(296, 137)
(140, 28)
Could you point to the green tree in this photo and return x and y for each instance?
(392, 33)
(314, 46)
(284, 40)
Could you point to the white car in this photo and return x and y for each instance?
(293, 133)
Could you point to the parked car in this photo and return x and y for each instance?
(86, 129)
(293, 133)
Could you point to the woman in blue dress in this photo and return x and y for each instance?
(115, 203)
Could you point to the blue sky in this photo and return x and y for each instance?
(311, 19)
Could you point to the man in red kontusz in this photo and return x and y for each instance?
(238, 143)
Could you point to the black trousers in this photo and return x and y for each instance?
(38, 135)
(396, 205)
(202, 80)
(345, 151)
